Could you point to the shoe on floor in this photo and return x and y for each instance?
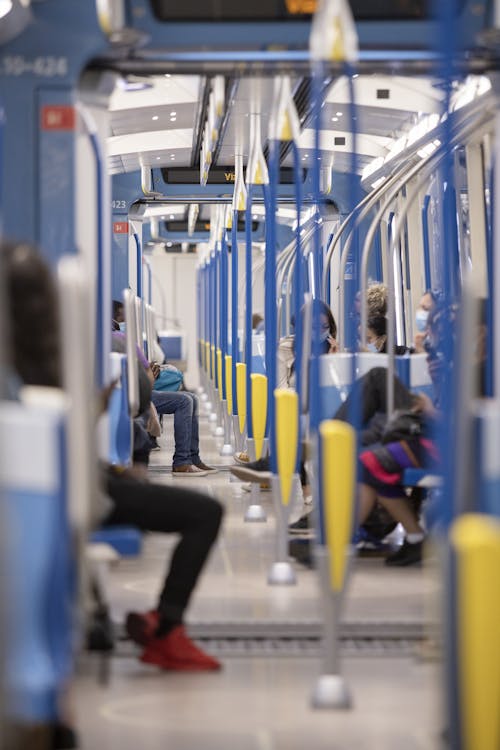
(241, 458)
(154, 444)
(252, 472)
(407, 554)
(141, 627)
(178, 652)
(263, 487)
(207, 469)
(300, 550)
(187, 471)
(301, 526)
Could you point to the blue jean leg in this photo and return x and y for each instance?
(179, 404)
(195, 430)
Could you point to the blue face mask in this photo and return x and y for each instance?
(421, 320)
(122, 326)
(371, 347)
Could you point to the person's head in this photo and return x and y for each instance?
(426, 304)
(327, 324)
(376, 333)
(33, 330)
(118, 316)
(376, 299)
(257, 319)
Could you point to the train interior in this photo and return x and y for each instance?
(220, 172)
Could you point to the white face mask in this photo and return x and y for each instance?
(371, 347)
(122, 326)
(421, 319)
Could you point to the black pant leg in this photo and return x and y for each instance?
(161, 508)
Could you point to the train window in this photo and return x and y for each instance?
(281, 10)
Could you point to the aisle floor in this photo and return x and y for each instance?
(261, 701)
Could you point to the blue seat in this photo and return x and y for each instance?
(126, 540)
(38, 560)
(120, 425)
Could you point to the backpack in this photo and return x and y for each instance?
(169, 379)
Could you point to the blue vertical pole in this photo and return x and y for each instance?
(138, 257)
(270, 321)
(211, 311)
(426, 244)
(234, 306)
(216, 312)
(102, 322)
(314, 402)
(298, 292)
(248, 311)
(223, 309)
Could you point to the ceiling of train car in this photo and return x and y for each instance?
(155, 121)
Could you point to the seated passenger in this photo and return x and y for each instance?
(285, 373)
(35, 344)
(425, 306)
(381, 465)
(184, 406)
(376, 336)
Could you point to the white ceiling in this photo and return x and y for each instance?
(157, 125)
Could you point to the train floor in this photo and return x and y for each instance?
(268, 638)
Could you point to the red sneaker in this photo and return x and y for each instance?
(178, 652)
(141, 628)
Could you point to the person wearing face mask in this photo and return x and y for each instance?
(118, 316)
(376, 336)
(285, 375)
(425, 306)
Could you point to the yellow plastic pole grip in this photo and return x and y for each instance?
(287, 435)
(207, 357)
(259, 410)
(241, 392)
(338, 460)
(229, 383)
(219, 371)
(476, 540)
(212, 350)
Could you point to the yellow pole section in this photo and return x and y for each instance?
(212, 349)
(207, 357)
(219, 371)
(476, 539)
(338, 459)
(287, 435)
(229, 383)
(259, 410)
(241, 392)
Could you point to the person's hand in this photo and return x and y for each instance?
(422, 403)
(155, 369)
(333, 345)
(418, 342)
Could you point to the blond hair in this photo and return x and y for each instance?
(376, 299)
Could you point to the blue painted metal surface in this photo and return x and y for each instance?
(248, 306)
(126, 540)
(426, 244)
(234, 308)
(224, 309)
(396, 36)
(270, 313)
(120, 434)
(38, 73)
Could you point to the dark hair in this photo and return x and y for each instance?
(117, 306)
(323, 309)
(378, 324)
(33, 318)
